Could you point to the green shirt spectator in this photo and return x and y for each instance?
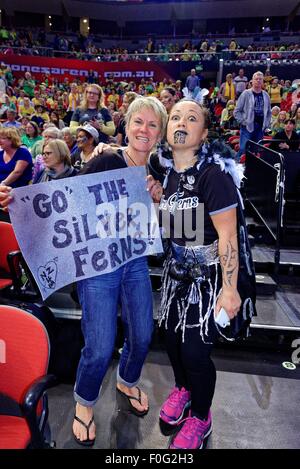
(29, 85)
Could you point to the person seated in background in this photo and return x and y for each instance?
(26, 109)
(275, 112)
(40, 115)
(57, 162)
(168, 97)
(15, 160)
(70, 139)
(286, 139)
(56, 120)
(128, 98)
(227, 118)
(49, 132)
(279, 123)
(31, 135)
(87, 138)
(11, 121)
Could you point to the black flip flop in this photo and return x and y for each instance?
(130, 407)
(86, 442)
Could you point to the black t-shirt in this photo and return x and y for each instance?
(83, 116)
(292, 142)
(106, 161)
(258, 109)
(121, 130)
(183, 198)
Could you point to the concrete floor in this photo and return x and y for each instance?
(249, 410)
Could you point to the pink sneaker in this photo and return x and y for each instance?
(174, 407)
(192, 434)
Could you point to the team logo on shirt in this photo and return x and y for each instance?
(175, 202)
(189, 185)
(191, 180)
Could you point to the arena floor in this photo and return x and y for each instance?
(256, 405)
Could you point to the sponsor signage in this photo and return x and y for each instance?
(72, 68)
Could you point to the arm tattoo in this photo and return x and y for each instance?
(229, 264)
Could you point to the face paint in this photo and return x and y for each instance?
(180, 136)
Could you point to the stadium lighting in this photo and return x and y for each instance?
(49, 17)
(50, 24)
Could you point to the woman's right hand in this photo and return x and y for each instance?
(100, 148)
(5, 196)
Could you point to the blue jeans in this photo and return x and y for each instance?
(99, 298)
(245, 135)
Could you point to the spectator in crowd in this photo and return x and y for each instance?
(93, 112)
(227, 90)
(15, 160)
(49, 133)
(193, 83)
(31, 135)
(130, 284)
(197, 282)
(87, 137)
(168, 98)
(57, 162)
(55, 119)
(29, 85)
(3, 84)
(253, 112)
(11, 121)
(70, 140)
(26, 109)
(279, 123)
(274, 91)
(73, 102)
(113, 97)
(227, 118)
(275, 111)
(3, 108)
(128, 98)
(287, 139)
(240, 82)
(40, 115)
(297, 120)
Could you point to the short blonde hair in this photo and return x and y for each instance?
(60, 149)
(12, 134)
(152, 103)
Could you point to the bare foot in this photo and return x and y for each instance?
(134, 392)
(85, 414)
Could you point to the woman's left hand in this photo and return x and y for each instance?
(230, 300)
(155, 189)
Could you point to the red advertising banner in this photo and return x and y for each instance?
(72, 68)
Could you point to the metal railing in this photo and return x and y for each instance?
(228, 56)
(264, 189)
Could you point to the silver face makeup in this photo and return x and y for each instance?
(180, 137)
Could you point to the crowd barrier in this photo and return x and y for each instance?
(264, 189)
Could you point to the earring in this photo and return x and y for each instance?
(126, 140)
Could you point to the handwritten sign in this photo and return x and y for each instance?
(88, 225)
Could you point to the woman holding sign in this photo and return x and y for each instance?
(201, 270)
(99, 296)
